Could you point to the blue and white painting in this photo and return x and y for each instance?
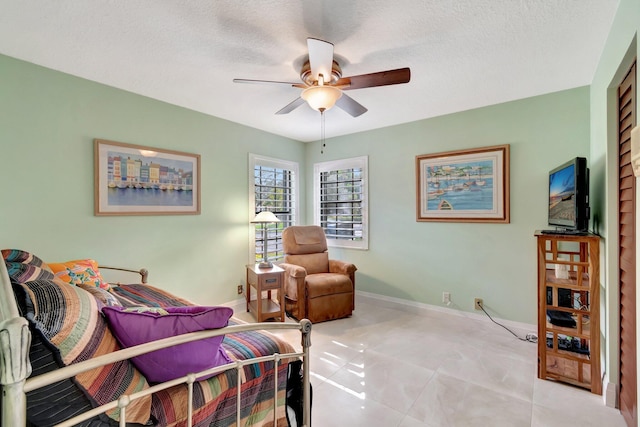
(466, 186)
(461, 186)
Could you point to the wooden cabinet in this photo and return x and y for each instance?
(261, 281)
(568, 309)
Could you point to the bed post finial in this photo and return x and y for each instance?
(15, 340)
(305, 328)
(15, 367)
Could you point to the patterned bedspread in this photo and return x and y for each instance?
(215, 398)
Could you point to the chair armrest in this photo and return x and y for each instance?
(342, 267)
(294, 288)
(347, 268)
(293, 270)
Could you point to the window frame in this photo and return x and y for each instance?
(258, 160)
(361, 162)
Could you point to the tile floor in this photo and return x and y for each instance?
(395, 366)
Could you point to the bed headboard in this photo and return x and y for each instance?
(15, 366)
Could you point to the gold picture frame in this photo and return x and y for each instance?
(136, 180)
(464, 186)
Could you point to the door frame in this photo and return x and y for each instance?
(632, 311)
(609, 253)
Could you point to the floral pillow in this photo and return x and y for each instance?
(79, 272)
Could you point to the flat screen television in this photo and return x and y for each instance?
(569, 196)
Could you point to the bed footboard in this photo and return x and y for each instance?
(15, 367)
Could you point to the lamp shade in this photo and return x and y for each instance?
(265, 216)
(322, 97)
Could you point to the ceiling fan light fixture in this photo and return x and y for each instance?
(321, 98)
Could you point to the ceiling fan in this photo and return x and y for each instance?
(323, 85)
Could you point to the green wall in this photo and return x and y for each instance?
(497, 262)
(48, 121)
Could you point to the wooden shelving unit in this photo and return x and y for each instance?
(568, 309)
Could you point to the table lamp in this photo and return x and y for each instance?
(264, 218)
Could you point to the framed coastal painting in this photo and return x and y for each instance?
(463, 186)
(136, 180)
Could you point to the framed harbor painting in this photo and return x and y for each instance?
(136, 180)
(463, 186)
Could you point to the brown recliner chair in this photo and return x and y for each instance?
(316, 288)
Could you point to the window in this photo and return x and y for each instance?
(273, 186)
(340, 201)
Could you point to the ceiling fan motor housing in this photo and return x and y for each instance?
(307, 76)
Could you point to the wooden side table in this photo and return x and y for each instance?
(265, 280)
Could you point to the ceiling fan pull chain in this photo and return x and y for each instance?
(322, 138)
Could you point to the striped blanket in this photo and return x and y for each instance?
(215, 398)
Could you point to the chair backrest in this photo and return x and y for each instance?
(306, 246)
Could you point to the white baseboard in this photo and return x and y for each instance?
(610, 395)
(416, 307)
(234, 303)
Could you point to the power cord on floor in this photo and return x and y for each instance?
(529, 337)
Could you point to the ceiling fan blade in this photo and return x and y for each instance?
(350, 105)
(270, 82)
(382, 78)
(291, 106)
(320, 58)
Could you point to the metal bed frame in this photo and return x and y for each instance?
(15, 367)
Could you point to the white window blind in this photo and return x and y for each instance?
(341, 201)
(273, 187)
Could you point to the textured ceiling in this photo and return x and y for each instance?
(462, 53)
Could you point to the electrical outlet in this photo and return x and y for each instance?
(446, 297)
(478, 304)
(239, 289)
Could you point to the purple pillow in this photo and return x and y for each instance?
(132, 328)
